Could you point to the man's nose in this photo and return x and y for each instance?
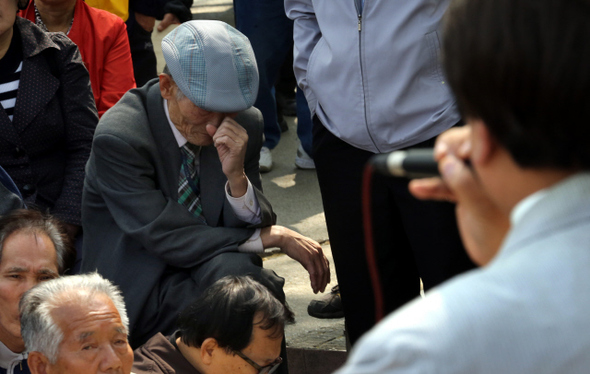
(110, 361)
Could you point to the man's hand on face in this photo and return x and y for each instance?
(306, 251)
(481, 223)
(231, 141)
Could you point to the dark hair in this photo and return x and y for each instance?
(523, 68)
(226, 312)
(35, 222)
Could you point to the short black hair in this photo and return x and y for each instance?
(226, 312)
(523, 68)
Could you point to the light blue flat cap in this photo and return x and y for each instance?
(213, 64)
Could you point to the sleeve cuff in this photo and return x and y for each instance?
(252, 245)
(245, 207)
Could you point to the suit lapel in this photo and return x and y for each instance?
(36, 88)
(37, 83)
(168, 152)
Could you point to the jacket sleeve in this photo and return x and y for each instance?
(80, 119)
(117, 69)
(306, 34)
(126, 180)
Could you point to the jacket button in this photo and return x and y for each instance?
(28, 188)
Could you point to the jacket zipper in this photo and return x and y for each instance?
(359, 12)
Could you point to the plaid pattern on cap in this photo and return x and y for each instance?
(213, 64)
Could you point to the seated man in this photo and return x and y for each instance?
(172, 197)
(519, 69)
(76, 325)
(234, 326)
(32, 250)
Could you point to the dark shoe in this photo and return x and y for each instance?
(329, 306)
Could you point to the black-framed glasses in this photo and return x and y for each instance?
(268, 369)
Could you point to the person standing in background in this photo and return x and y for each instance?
(371, 76)
(101, 38)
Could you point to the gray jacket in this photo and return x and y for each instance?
(372, 75)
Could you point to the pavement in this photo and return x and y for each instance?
(314, 346)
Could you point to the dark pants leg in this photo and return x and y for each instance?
(413, 238)
(144, 60)
(271, 34)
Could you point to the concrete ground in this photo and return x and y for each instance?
(314, 345)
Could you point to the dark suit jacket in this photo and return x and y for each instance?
(48, 143)
(135, 231)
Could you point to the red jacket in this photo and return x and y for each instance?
(104, 45)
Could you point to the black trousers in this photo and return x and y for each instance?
(413, 239)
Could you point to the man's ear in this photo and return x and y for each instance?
(483, 143)
(38, 363)
(166, 86)
(208, 349)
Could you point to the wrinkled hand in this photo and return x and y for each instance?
(304, 250)
(481, 223)
(231, 141)
(168, 20)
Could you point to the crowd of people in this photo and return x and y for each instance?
(152, 196)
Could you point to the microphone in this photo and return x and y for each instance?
(411, 163)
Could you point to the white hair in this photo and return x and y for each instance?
(38, 329)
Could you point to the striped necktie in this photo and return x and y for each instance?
(189, 194)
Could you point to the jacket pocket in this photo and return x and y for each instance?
(311, 71)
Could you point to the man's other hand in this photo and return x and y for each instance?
(306, 251)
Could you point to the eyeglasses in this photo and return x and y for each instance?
(268, 369)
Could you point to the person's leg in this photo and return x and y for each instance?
(339, 168)
(271, 34)
(304, 123)
(143, 56)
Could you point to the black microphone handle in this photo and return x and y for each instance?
(411, 163)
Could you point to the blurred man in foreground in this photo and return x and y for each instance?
(76, 325)
(236, 326)
(519, 174)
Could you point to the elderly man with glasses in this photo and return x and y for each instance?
(236, 326)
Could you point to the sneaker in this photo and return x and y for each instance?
(265, 161)
(302, 160)
(329, 306)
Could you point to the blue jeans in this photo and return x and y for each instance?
(271, 34)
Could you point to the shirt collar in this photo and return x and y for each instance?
(7, 357)
(181, 140)
(526, 205)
